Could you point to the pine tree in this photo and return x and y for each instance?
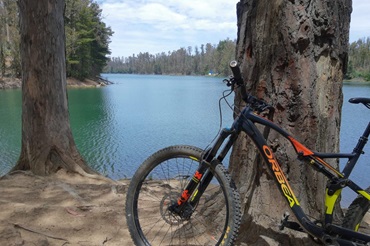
(87, 39)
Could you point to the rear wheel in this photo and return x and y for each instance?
(159, 183)
(357, 217)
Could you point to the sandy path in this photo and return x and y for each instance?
(61, 210)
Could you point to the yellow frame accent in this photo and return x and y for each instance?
(331, 200)
(364, 194)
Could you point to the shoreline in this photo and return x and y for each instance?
(16, 83)
(356, 80)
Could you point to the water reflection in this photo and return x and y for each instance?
(91, 117)
(10, 128)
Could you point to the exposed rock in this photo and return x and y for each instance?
(73, 82)
(14, 83)
(10, 83)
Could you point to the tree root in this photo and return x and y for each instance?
(40, 233)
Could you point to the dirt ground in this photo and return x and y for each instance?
(62, 209)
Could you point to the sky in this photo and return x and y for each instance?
(157, 26)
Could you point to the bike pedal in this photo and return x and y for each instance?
(289, 224)
(283, 221)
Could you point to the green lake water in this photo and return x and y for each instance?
(117, 127)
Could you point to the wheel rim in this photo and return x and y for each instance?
(162, 186)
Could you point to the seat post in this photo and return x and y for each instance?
(357, 151)
(363, 140)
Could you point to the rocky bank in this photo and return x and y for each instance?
(14, 83)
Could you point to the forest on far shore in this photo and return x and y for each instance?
(359, 59)
(214, 59)
(207, 59)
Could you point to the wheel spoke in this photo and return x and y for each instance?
(161, 188)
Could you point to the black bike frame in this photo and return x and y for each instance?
(246, 122)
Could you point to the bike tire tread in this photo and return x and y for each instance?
(156, 159)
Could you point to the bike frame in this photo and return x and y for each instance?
(246, 122)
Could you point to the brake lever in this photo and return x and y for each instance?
(258, 105)
(228, 82)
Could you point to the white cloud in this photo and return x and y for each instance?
(360, 20)
(155, 12)
(206, 9)
(166, 25)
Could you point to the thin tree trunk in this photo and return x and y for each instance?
(47, 141)
(293, 54)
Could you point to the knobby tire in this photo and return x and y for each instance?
(354, 217)
(159, 182)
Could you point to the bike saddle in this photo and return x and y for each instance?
(363, 100)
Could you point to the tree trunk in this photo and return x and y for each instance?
(47, 142)
(293, 54)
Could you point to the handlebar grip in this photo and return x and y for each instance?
(238, 79)
(236, 71)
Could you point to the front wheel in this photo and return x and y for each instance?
(160, 181)
(357, 216)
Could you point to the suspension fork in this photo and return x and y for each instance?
(202, 177)
(209, 175)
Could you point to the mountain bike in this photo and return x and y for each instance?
(183, 195)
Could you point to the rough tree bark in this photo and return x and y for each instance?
(47, 141)
(293, 54)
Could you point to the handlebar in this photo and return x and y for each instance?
(236, 72)
(237, 79)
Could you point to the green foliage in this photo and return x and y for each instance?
(208, 59)
(359, 59)
(87, 39)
